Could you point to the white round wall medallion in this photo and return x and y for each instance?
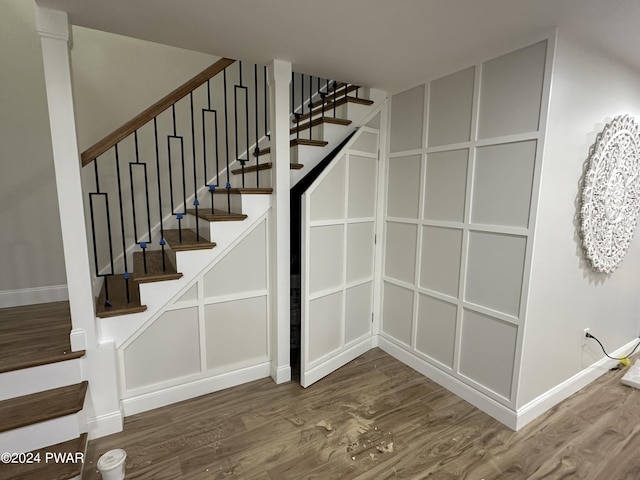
(611, 194)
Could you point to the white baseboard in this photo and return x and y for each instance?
(31, 296)
(496, 410)
(105, 425)
(325, 368)
(281, 374)
(178, 393)
(557, 394)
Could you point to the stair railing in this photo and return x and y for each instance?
(175, 159)
(309, 92)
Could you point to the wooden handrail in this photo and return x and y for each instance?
(91, 153)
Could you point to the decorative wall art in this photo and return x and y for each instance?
(611, 194)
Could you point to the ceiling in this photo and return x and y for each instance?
(386, 44)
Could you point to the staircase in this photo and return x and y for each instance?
(41, 392)
(167, 195)
(323, 113)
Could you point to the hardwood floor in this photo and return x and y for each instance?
(377, 419)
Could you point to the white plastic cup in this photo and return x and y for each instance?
(111, 464)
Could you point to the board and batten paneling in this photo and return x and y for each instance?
(458, 215)
(338, 233)
(216, 326)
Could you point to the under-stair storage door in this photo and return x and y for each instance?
(338, 228)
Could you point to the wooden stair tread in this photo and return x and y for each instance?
(246, 191)
(156, 272)
(34, 335)
(308, 143)
(36, 359)
(319, 121)
(298, 141)
(262, 166)
(118, 298)
(49, 470)
(262, 151)
(42, 406)
(189, 240)
(337, 93)
(317, 106)
(252, 168)
(217, 215)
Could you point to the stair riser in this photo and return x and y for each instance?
(250, 181)
(37, 379)
(39, 435)
(311, 156)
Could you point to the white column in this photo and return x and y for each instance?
(279, 78)
(98, 365)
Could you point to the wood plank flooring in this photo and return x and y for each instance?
(47, 468)
(377, 419)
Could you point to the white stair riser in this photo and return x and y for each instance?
(38, 379)
(40, 435)
(262, 178)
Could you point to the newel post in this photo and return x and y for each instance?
(98, 365)
(279, 78)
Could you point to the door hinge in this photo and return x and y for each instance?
(371, 317)
(375, 239)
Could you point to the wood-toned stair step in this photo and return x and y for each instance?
(42, 406)
(120, 304)
(217, 215)
(187, 240)
(50, 470)
(34, 335)
(328, 106)
(339, 92)
(245, 191)
(263, 166)
(308, 143)
(294, 142)
(319, 121)
(156, 270)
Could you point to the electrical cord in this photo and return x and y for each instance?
(626, 357)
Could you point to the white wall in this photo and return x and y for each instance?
(566, 295)
(30, 238)
(116, 77)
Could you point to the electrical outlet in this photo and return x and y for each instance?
(584, 336)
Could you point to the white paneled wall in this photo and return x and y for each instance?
(462, 170)
(339, 223)
(214, 334)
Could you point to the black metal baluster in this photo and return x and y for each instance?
(335, 97)
(107, 302)
(162, 240)
(226, 141)
(209, 110)
(246, 119)
(124, 246)
(257, 149)
(195, 170)
(310, 106)
(133, 200)
(293, 103)
(266, 106)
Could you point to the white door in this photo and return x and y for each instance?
(338, 228)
